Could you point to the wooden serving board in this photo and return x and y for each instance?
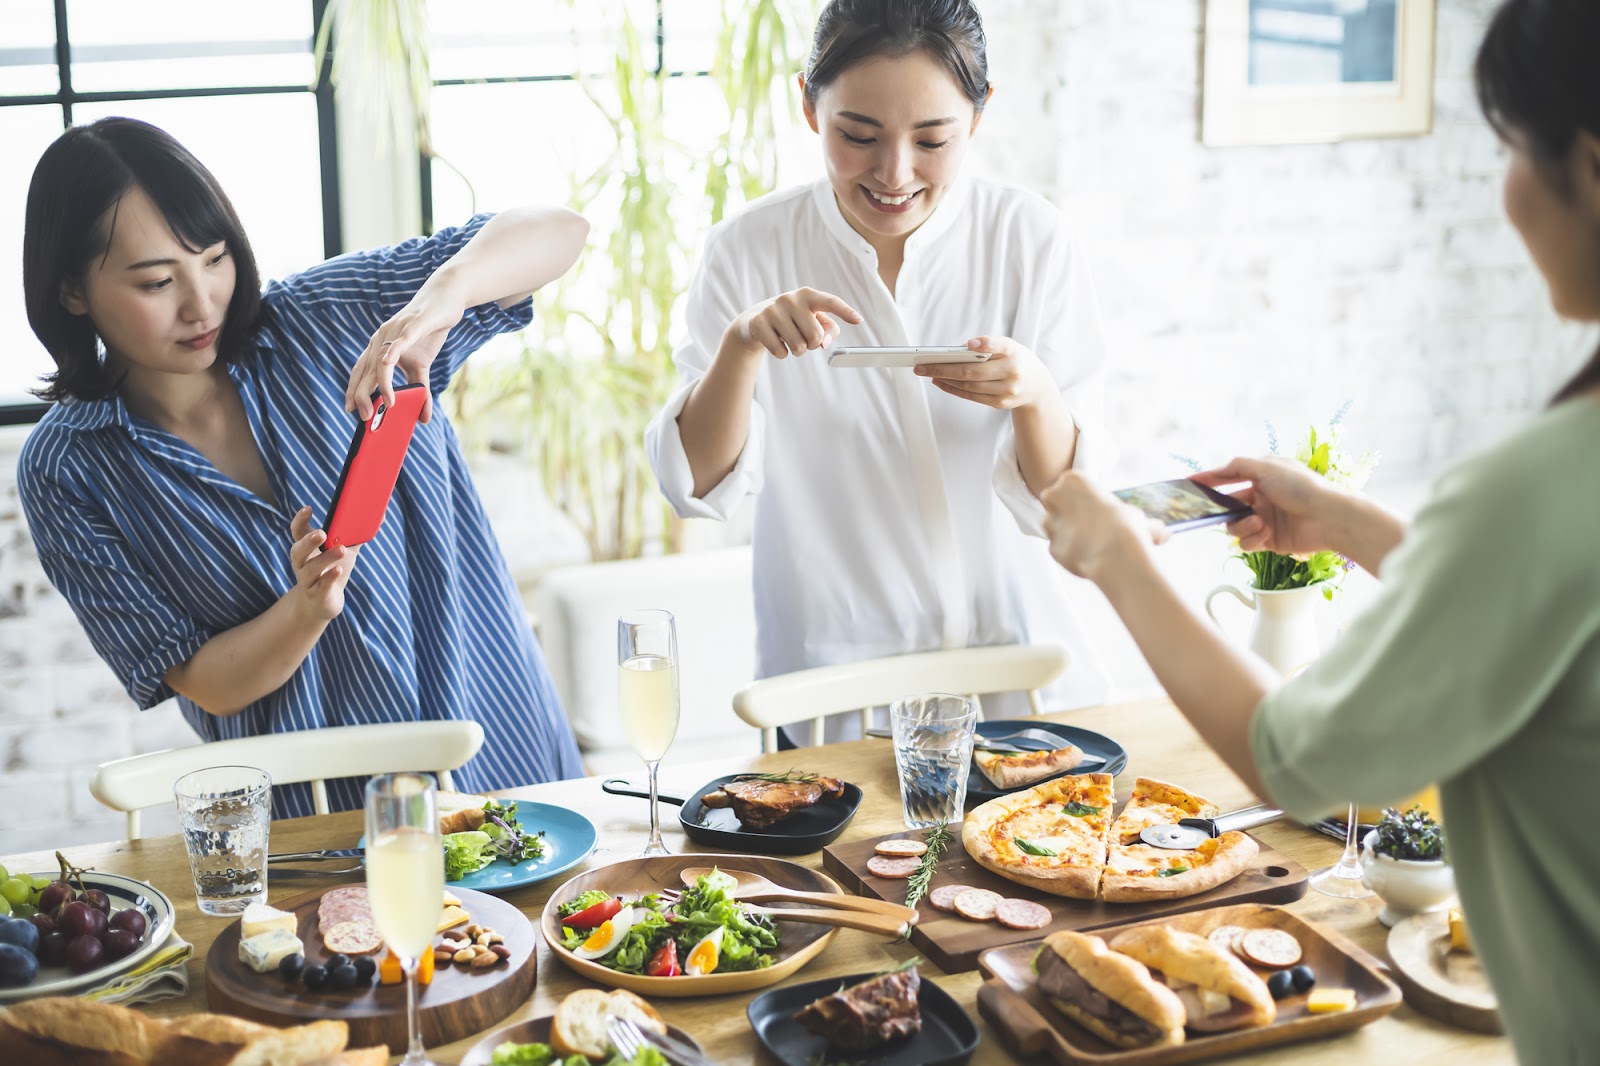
(953, 943)
(1444, 984)
(1028, 1025)
(457, 1004)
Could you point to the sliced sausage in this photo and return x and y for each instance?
(884, 866)
(1022, 914)
(944, 897)
(900, 848)
(978, 904)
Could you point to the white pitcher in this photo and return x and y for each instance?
(1285, 629)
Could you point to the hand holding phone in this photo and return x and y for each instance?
(1182, 504)
(372, 466)
(904, 356)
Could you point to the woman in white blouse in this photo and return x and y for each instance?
(898, 508)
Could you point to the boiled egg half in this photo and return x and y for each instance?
(705, 955)
(604, 940)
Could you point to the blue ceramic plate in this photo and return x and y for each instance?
(569, 837)
(1092, 743)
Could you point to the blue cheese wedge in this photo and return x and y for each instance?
(259, 918)
(264, 951)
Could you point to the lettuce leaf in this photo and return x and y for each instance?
(466, 852)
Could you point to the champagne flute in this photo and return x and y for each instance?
(1343, 878)
(647, 696)
(405, 878)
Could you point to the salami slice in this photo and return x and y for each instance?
(1022, 914)
(944, 897)
(900, 849)
(345, 892)
(353, 938)
(884, 866)
(1272, 948)
(978, 904)
(1226, 937)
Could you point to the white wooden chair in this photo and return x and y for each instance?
(313, 755)
(814, 694)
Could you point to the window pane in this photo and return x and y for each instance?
(26, 131)
(28, 55)
(523, 38)
(117, 45)
(277, 192)
(691, 30)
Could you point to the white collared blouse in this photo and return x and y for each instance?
(891, 516)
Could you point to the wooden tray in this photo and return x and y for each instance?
(1029, 1025)
(1444, 984)
(953, 943)
(457, 1004)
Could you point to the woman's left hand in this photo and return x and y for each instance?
(410, 341)
(1011, 377)
(1091, 531)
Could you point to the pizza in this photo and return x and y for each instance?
(1060, 837)
(1008, 771)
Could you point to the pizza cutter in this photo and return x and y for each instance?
(1192, 832)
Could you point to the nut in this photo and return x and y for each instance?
(484, 959)
(501, 950)
(457, 935)
(473, 931)
(444, 955)
(465, 955)
(489, 936)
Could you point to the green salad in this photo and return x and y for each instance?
(703, 932)
(500, 837)
(509, 1054)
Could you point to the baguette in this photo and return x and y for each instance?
(579, 1027)
(1239, 999)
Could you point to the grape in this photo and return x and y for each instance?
(5, 907)
(54, 895)
(44, 923)
(24, 910)
(119, 943)
(16, 890)
(132, 919)
(84, 953)
(40, 882)
(17, 967)
(20, 932)
(4, 873)
(79, 919)
(98, 900)
(53, 948)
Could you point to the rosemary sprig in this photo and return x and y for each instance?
(915, 960)
(938, 839)
(797, 777)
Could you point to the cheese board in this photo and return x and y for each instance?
(1438, 980)
(456, 1004)
(1029, 1025)
(953, 943)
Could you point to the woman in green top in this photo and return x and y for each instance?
(1479, 665)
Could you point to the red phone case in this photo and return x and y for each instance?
(372, 466)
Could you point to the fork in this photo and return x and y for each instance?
(629, 1039)
(867, 921)
(1007, 742)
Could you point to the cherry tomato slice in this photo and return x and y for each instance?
(595, 916)
(664, 963)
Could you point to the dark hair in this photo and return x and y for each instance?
(1538, 79)
(79, 179)
(950, 31)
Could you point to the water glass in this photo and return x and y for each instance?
(226, 811)
(933, 750)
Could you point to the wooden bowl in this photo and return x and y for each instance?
(798, 943)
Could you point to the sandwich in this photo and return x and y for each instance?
(579, 1027)
(459, 812)
(1109, 994)
(1218, 991)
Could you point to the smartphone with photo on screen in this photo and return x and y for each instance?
(372, 466)
(1182, 504)
(904, 356)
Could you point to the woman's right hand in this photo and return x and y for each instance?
(796, 322)
(1295, 510)
(320, 576)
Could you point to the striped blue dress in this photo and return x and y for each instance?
(158, 552)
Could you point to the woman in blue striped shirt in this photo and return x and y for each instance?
(173, 490)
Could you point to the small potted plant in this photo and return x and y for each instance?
(1404, 864)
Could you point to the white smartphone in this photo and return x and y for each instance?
(904, 356)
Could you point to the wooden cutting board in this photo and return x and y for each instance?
(1028, 1025)
(457, 1004)
(953, 943)
(1445, 984)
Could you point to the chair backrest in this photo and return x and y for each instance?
(306, 755)
(814, 694)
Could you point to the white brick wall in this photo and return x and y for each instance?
(1237, 285)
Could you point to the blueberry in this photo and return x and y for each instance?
(1304, 977)
(343, 976)
(335, 961)
(290, 966)
(365, 967)
(1281, 984)
(315, 977)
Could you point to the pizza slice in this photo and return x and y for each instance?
(1136, 871)
(1051, 837)
(1007, 771)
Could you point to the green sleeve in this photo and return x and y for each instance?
(1484, 606)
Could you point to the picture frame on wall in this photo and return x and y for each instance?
(1310, 71)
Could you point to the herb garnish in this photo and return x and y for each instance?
(1080, 810)
(1171, 870)
(1030, 848)
(938, 839)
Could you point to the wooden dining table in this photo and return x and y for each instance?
(1160, 744)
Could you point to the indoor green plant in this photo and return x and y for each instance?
(1403, 860)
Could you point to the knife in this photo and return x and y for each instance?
(317, 856)
(1190, 833)
(1008, 747)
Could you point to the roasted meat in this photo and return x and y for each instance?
(757, 804)
(869, 1015)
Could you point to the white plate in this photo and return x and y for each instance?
(124, 892)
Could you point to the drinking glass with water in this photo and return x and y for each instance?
(226, 811)
(933, 750)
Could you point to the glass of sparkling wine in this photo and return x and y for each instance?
(647, 696)
(405, 878)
